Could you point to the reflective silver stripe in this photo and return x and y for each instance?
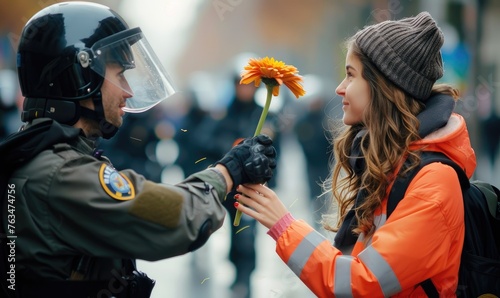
(382, 270)
(361, 237)
(369, 242)
(342, 277)
(379, 221)
(303, 251)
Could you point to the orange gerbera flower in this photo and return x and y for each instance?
(273, 72)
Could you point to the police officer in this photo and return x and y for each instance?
(78, 224)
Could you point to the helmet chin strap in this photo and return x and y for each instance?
(107, 129)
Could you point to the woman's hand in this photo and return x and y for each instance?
(261, 203)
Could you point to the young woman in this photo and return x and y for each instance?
(393, 110)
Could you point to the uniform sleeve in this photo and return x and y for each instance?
(102, 212)
(420, 240)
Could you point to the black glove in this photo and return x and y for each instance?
(251, 161)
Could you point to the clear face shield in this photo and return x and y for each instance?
(143, 76)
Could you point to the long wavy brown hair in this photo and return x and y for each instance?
(392, 125)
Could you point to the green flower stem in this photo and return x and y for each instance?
(263, 115)
(262, 119)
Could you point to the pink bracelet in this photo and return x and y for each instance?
(280, 227)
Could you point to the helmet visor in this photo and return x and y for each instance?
(143, 76)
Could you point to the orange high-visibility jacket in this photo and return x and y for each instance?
(422, 238)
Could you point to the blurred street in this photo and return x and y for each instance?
(208, 273)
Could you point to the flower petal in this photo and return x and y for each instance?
(276, 90)
(269, 68)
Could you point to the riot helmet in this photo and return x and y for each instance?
(62, 57)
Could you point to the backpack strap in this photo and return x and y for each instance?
(492, 195)
(429, 288)
(401, 184)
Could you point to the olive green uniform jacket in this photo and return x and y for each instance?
(69, 203)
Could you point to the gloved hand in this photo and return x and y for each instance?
(251, 161)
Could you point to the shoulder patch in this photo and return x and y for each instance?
(116, 185)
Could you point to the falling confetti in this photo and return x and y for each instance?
(245, 227)
(201, 159)
(184, 130)
(205, 279)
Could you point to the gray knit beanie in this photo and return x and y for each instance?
(406, 51)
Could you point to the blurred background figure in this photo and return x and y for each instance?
(10, 121)
(312, 129)
(200, 110)
(491, 129)
(135, 144)
(10, 92)
(212, 129)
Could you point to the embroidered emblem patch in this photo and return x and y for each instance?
(116, 185)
